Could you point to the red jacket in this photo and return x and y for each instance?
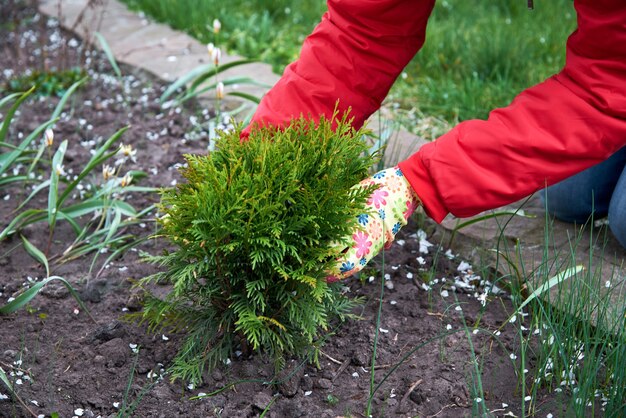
(571, 121)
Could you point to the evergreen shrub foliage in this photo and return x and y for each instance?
(254, 229)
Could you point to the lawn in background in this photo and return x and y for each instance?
(478, 55)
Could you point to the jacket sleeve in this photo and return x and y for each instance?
(551, 131)
(350, 60)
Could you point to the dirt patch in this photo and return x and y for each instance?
(62, 362)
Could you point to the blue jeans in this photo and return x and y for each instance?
(599, 191)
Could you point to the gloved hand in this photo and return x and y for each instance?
(389, 208)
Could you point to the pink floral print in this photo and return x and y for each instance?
(362, 244)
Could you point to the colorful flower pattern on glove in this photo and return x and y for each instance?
(390, 207)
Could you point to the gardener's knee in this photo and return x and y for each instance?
(617, 211)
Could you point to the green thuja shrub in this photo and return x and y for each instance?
(253, 228)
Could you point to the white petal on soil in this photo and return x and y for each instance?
(464, 266)
(79, 412)
(308, 393)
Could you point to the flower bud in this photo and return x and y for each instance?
(217, 26)
(49, 137)
(219, 90)
(216, 55)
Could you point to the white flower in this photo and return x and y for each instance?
(210, 48)
(126, 180)
(512, 356)
(60, 169)
(482, 298)
(448, 327)
(107, 172)
(128, 151)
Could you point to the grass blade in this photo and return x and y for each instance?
(66, 96)
(5, 379)
(247, 96)
(96, 159)
(17, 152)
(183, 80)
(25, 218)
(36, 253)
(109, 54)
(9, 116)
(8, 98)
(28, 295)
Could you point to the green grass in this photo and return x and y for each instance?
(477, 56)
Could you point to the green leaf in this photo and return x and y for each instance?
(25, 218)
(9, 116)
(59, 108)
(41, 186)
(36, 254)
(25, 297)
(229, 81)
(53, 190)
(16, 153)
(109, 54)
(250, 97)
(94, 161)
(8, 98)
(183, 80)
(553, 281)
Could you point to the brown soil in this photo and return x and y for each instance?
(62, 362)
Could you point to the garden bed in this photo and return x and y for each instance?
(436, 327)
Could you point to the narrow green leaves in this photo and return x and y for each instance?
(36, 254)
(29, 294)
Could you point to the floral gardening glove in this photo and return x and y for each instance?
(389, 208)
